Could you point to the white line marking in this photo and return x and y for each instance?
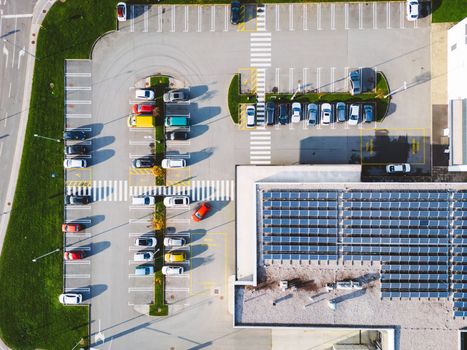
(360, 15)
(146, 18)
(226, 18)
(159, 19)
(305, 79)
(401, 17)
(9, 91)
(388, 15)
(21, 54)
(132, 18)
(333, 71)
(199, 18)
(346, 20)
(1, 149)
(5, 52)
(18, 16)
(291, 17)
(186, 18)
(277, 76)
(318, 78)
(277, 18)
(318, 17)
(333, 17)
(172, 29)
(213, 18)
(14, 45)
(305, 17)
(375, 16)
(291, 80)
(78, 88)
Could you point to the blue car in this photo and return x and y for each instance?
(312, 111)
(368, 113)
(355, 82)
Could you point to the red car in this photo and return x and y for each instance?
(72, 227)
(74, 255)
(201, 212)
(143, 108)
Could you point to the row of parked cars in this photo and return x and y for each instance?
(323, 113)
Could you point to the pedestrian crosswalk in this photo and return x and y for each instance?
(120, 191)
(260, 147)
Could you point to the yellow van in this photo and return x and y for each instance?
(141, 121)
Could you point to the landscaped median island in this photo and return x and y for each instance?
(31, 316)
(235, 98)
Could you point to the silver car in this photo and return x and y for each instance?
(326, 114)
(340, 111)
(176, 96)
(312, 111)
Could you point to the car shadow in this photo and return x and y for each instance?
(205, 113)
(198, 249)
(199, 156)
(197, 91)
(197, 234)
(101, 156)
(94, 291)
(198, 130)
(97, 247)
(93, 220)
(198, 261)
(101, 142)
(95, 129)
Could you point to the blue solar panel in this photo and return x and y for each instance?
(414, 277)
(415, 286)
(414, 268)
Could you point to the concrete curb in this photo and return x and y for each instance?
(40, 11)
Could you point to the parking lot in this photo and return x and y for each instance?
(215, 145)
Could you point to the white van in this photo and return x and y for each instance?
(173, 163)
(143, 200)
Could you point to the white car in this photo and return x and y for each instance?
(250, 116)
(146, 242)
(144, 94)
(398, 168)
(176, 201)
(326, 114)
(143, 256)
(121, 12)
(143, 200)
(412, 10)
(74, 163)
(170, 163)
(296, 112)
(172, 270)
(174, 242)
(70, 298)
(354, 114)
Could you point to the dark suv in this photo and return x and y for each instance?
(235, 12)
(74, 135)
(72, 199)
(76, 150)
(270, 113)
(283, 115)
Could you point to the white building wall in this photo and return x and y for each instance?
(457, 61)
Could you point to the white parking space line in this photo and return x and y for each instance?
(333, 17)
(173, 289)
(277, 78)
(318, 17)
(388, 15)
(200, 17)
(305, 79)
(305, 17)
(146, 18)
(213, 18)
(78, 75)
(159, 19)
(291, 81)
(360, 15)
(78, 88)
(186, 19)
(79, 116)
(278, 28)
(82, 290)
(346, 80)
(346, 17)
(78, 102)
(172, 24)
(291, 17)
(140, 289)
(375, 17)
(132, 18)
(333, 72)
(318, 78)
(226, 18)
(401, 17)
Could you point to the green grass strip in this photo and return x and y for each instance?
(30, 315)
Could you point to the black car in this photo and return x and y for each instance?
(176, 135)
(235, 12)
(145, 162)
(283, 115)
(270, 113)
(74, 135)
(76, 150)
(72, 199)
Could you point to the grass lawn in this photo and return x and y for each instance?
(30, 315)
(449, 10)
(235, 98)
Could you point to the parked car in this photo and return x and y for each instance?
(171, 163)
(235, 7)
(368, 113)
(73, 199)
(176, 96)
(174, 242)
(143, 200)
(121, 12)
(143, 108)
(144, 270)
(398, 168)
(354, 114)
(412, 10)
(296, 112)
(172, 270)
(70, 298)
(172, 257)
(250, 116)
(72, 135)
(143, 256)
(72, 227)
(74, 255)
(270, 113)
(145, 162)
(147, 242)
(340, 111)
(326, 114)
(201, 211)
(74, 163)
(176, 135)
(355, 82)
(176, 201)
(312, 111)
(144, 94)
(283, 117)
(74, 150)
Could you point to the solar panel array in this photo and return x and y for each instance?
(418, 236)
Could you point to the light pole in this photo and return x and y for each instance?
(403, 87)
(299, 88)
(47, 138)
(40, 257)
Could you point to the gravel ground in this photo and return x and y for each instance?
(422, 324)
